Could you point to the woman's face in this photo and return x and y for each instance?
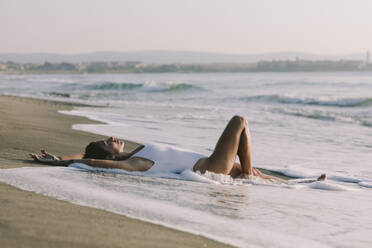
(112, 145)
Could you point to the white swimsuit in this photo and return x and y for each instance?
(169, 159)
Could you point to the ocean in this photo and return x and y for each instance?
(302, 125)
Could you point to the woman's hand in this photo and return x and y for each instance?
(45, 157)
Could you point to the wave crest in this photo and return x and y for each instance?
(58, 94)
(341, 102)
(179, 87)
(114, 86)
(326, 116)
(148, 86)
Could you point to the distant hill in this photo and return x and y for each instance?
(168, 57)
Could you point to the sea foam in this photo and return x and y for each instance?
(112, 194)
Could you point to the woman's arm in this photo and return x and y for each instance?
(72, 156)
(130, 154)
(131, 164)
(137, 149)
(48, 155)
(125, 156)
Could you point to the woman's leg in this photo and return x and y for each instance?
(245, 152)
(235, 140)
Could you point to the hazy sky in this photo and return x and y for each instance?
(230, 26)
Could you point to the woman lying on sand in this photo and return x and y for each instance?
(234, 141)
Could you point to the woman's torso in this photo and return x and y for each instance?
(169, 159)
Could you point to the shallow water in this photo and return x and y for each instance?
(302, 124)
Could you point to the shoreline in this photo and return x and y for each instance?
(30, 219)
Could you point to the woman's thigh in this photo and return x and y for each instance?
(205, 164)
(223, 158)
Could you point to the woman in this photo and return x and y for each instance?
(234, 141)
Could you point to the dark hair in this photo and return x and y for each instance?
(93, 150)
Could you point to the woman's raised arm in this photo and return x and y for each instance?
(131, 164)
(45, 154)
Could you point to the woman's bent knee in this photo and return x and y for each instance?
(240, 120)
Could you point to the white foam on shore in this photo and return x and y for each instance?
(128, 193)
(329, 186)
(104, 193)
(213, 178)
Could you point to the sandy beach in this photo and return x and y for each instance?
(31, 220)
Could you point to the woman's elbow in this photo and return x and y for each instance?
(146, 167)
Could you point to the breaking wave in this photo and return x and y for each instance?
(114, 86)
(58, 94)
(180, 87)
(310, 115)
(327, 116)
(148, 86)
(341, 102)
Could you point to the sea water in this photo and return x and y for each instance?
(302, 124)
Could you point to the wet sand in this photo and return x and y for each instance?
(32, 220)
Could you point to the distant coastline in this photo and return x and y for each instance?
(179, 62)
(297, 65)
